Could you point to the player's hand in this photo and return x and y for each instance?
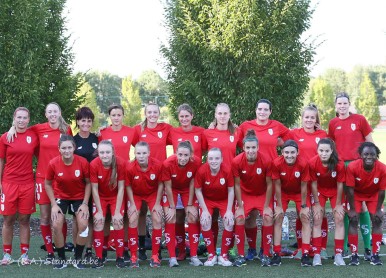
(170, 214)
(132, 211)
(117, 219)
(317, 126)
(239, 213)
(98, 133)
(55, 212)
(379, 214)
(192, 210)
(12, 134)
(158, 210)
(205, 218)
(98, 218)
(278, 212)
(305, 213)
(339, 210)
(228, 218)
(317, 211)
(83, 210)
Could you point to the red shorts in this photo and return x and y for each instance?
(297, 198)
(371, 206)
(41, 195)
(254, 203)
(17, 198)
(108, 205)
(149, 200)
(323, 199)
(220, 205)
(184, 197)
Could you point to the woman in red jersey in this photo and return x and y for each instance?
(214, 191)
(327, 174)
(366, 183)
(17, 188)
(178, 177)
(71, 193)
(253, 191)
(144, 185)
(349, 131)
(186, 131)
(290, 175)
(107, 176)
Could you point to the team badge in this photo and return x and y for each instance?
(189, 174)
(152, 177)
(77, 173)
(270, 131)
(297, 174)
(258, 171)
(195, 138)
(231, 138)
(94, 145)
(318, 174)
(333, 174)
(376, 180)
(159, 134)
(29, 139)
(353, 127)
(222, 181)
(317, 139)
(124, 138)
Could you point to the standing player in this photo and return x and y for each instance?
(290, 175)
(214, 191)
(71, 193)
(144, 185)
(17, 189)
(327, 174)
(366, 182)
(253, 191)
(178, 177)
(349, 131)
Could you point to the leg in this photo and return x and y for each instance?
(45, 218)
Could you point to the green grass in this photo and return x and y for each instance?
(379, 137)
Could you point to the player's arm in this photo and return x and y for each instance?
(169, 193)
(339, 193)
(98, 217)
(55, 209)
(1, 174)
(240, 205)
(157, 206)
(303, 190)
(132, 209)
(268, 193)
(278, 193)
(117, 214)
(369, 138)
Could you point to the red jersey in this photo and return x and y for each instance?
(177, 135)
(252, 176)
(214, 188)
(222, 139)
(366, 184)
(121, 140)
(157, 138)
(348, 135)
(100, 175)
(290, 176)
(179, 176)
(144, 183)
(327, 180)
(69, 179)
(307, 142)
(48, 146)
(267, 134)
(18, 157)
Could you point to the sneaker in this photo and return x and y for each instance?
(120, 262)
(367, 255)
(49, 258)
(134, 262)
(323, 254)
(232, 253)
(173, 262)
(142, 254)
(88, 257)
(79, 265)
(155, 261)
(126, 256)
(317, 260)
(346, 254)
(354, 259)
(224, 261)
(276, 260)
(181, 255)
(251, 255)
(305, 260)
(265, 261)
(261, 254)
(375, 260)
(240, 261)
(195, 261)
(60, 264)
(7, 259)
(24, 260)
(338, 260)
(98, 263)
(285, 252)
(211, 261)
(297, 255)
(104, 255)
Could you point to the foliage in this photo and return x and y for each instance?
(367, 103)
(152, 88)
(377, 75)
(131, 101)
(337, 79)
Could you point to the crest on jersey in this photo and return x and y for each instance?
(195, 138)
(222, 181)
(159, 134)
(124, 138)
(258, 171)
(317, 139)
(231, 138)
(297, 174)
(270, 131)
(353, 127)
(77, 173)
(333, 174)
(189, 174)
(29, 139)
(152, 177)
(376, 180)
(94, 145)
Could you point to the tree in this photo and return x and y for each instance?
(377, 75)
(367, 103)
(152, 88)
(354, 80)
(131, 101)
(337, 79)
(323, 96)
(238, 52)
(36, 60)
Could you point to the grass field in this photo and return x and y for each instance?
(379, 137)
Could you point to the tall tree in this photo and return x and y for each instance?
(152, 88)
(36, 60)
(336, 78)
(367, 103)
(323, 96)
(238, 52)
(377, 75)
(354, 80)
(131, 101)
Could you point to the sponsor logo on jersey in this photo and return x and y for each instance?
(243, 171)
(94, 145)
(297, 174)
(358, 179)
(143, 135)
(100, 177)
(189, 174)
(283, 173)
(318, 174)
(270, 131)
(215, 139)
(376, 180)
(124, 139)
(338, 127)
(317, 139)
(80, 147)
(353, 127)
(136, 177)
(174, 176)
(159, 134)
(231, 138)
(60, 174)
(152, 177)
(333, 174)
(195, 138)
(207, 182)
(29, 139)
(258, 171)
(77, 173)
(222, 181)
(45, 136)
(301, 139)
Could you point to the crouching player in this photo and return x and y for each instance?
(366, 182)
(253, 191)
(214, 190)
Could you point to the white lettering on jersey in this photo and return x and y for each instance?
(243, 171)
(283, 173)
(179, 139)
(207, 182)
(174, 176)
(100, 177)
(358, 179)
(97, 242)
(132, 241)
(338, 127)
(143, 135)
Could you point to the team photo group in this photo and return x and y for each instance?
(239, 173)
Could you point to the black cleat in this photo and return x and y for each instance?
(306, 260)
(275, 260)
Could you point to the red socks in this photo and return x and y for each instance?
(267, 239)
(133, 241)
(170, 238)
(251, 234)
(194, 238)
(47, 237)
(240, 239)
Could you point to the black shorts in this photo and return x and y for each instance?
(70, 206)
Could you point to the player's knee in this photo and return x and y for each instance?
(268, 219)
(240, 221)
